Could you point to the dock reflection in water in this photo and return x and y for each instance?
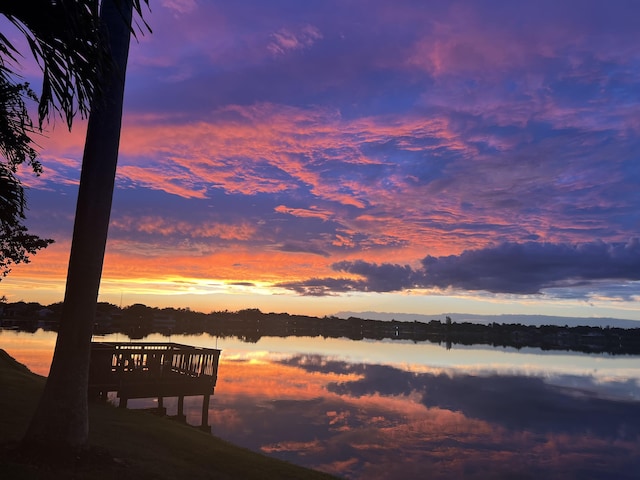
(388, 410)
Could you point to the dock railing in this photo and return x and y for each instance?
(152, 369)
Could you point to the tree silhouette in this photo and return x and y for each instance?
(16, 244)
(64, 38)
(61, 418)
(16, 148)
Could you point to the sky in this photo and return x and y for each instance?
(478, 156)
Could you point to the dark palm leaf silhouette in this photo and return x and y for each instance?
(66, 39)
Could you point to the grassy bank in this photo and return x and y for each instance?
(128, 444)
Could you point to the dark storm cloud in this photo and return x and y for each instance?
(380, 278)
(319, 287)
(530, 267)
(512, 268)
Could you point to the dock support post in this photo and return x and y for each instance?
(181, 416)
(205, 412)
(123, 402)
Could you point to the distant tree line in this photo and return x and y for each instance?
(250, 325)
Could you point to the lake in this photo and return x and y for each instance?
(397, 409)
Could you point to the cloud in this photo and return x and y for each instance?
(450, 178)
(509, 268)
(320, 287)
(531, 267)
(162, 226)
(313, 212)
(180, 6)
(286, 40)
(380, 278)
(372, 175)
(298, 247)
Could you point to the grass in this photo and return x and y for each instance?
(127, 444)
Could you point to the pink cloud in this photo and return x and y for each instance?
(157, 225)
(285, 138)
(181, 184)
(287, 40)
(231, 154)
(313, 212)
(180, 6)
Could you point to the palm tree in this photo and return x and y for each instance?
(65, 38)
(62, 414)
(74, 80)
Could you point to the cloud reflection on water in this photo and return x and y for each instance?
(465, 413)
(377, 421)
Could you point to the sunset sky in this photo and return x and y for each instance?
(478, 156)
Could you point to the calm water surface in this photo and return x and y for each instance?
(387, 409)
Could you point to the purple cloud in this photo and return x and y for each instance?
(531, 267)
(509, 268)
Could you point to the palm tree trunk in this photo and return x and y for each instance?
(61, 418)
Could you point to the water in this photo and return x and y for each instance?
(387, 409)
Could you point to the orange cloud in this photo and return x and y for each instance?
(157, 225)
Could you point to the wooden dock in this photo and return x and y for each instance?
(148, 370)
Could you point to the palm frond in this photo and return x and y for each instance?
(66, 39)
